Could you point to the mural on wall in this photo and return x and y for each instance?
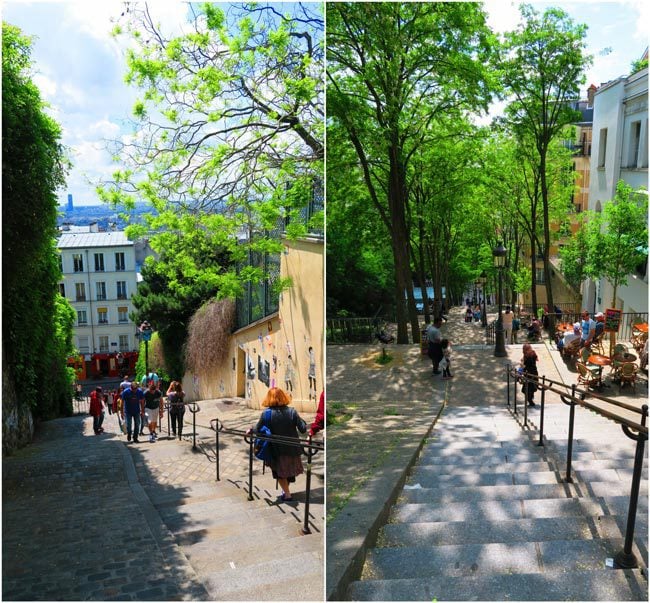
(289, 375)
(195, 386)
(311, 374)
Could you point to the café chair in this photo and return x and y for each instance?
(627, 374)
(619, 348)
(572, 350)
(587, 377)
(597, 344)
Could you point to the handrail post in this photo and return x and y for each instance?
(514, 396)
(216, 447)
(250, 467)
(168, 419)
(569, 452)
(305, 527)
(526, 401)
(508, 369)
(194, 431)
(541, 417)
(626, 559)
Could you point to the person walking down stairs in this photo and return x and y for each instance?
(529, 364)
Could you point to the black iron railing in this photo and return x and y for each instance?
(351, 330)
(573, 396)
(308, 447)
(194, 408)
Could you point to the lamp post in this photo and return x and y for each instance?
(483, 280)
(499, 255)
(145, 330)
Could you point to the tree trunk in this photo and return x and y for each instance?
(547, 249)
(399, 234)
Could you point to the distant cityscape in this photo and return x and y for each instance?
(104, 216)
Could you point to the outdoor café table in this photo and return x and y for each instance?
(623, 358)
(564, 326)
(599, 360)
(643, 327)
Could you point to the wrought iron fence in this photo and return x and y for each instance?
(351, 330)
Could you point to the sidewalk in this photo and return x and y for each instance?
(391, 410)
(90, 517)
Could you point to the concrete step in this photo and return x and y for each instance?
(552, 464)
(505, 531)
(493, 558)
(597, 585)
(439, 457)
(496, 510)
(288, 576)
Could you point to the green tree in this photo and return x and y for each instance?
(228, 145)
(37, 322)
(542, 67)
(617, 236)
(392, 69)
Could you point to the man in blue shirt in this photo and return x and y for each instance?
(132, 409)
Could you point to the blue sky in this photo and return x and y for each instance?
(79, 67)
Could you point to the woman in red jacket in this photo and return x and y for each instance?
(97, 410)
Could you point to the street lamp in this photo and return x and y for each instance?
(483, 280)
(499, 255)
(146, 330)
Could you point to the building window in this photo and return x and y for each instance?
(84, 346)
(82, 317)
(99, 262)
(539, 273)
(103, 344)
(101, 291)
(62, 289)
(80, 291)
(123, 314)
(121, 289)
(635, 140)
(102, 316)
(78, 262)
(124, 343)
(60, 260)
(120, 265)
(602, 147)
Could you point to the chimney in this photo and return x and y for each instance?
(590, 95)
(70, 206)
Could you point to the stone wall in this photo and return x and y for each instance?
(17, 422)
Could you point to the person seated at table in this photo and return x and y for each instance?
(600, 324)
(569, 336)
(588, 329)
(535, 330)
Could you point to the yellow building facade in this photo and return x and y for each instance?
(284, 349)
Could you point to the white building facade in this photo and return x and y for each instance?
(619, 152)
(99, 279)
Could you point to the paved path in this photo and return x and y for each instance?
(383, 415)
(90, 517)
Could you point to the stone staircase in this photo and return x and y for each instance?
(487, 516)
(240, 549)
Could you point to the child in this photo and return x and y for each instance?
(445, 363)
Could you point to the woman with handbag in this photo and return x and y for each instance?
(283, 421)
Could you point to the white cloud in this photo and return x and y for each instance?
(46, 85)
(105, 128)
(502, 16)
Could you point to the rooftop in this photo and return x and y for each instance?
(93, 239)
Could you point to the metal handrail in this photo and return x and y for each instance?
(638, 432)
(309, 448)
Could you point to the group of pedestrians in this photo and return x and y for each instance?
(137, 407)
